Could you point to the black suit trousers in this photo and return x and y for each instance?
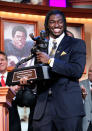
(14, 120)
(51, 122)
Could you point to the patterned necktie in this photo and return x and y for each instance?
(53, 50)
(52, 54)
(2, 81)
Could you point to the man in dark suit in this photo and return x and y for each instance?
(86, 86)
(20, 98)
(14, 120)
(59, 105)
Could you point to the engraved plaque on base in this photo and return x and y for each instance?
(32, 73)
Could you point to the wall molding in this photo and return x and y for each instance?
(42, 10)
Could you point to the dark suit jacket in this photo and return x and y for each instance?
(70, 59)
(87, 105)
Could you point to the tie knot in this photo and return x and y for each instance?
(54, 43)
(53, 50)
(2, 76)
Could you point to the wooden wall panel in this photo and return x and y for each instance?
(42, 10)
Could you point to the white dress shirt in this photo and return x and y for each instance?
(58, 40)
(5, 76)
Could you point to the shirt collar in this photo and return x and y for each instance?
(58, 40)
(5, 75)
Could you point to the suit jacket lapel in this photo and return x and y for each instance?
(63, 45)
(8, 80)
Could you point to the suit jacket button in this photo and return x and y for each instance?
(50, 92)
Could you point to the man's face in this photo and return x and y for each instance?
(3, 64)
(90, 74)
(56, 25)
(19, 39)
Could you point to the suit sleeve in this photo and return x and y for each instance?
(74, 63)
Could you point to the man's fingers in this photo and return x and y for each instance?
(23, 80)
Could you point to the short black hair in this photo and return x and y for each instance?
(53, 12)
(19, 28)
(4, 54)
(69, 33)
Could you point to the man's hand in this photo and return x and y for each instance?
(15, 88)
(84, 92)
(42, 57)
(23, 81)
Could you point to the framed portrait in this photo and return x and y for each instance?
(76, 29)
(15, 40)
